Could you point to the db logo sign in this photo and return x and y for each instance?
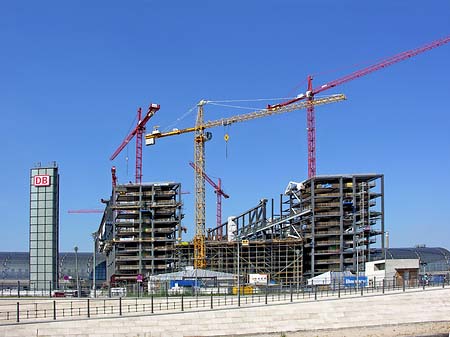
(41, 180)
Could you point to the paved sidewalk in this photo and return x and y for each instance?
(408, 308)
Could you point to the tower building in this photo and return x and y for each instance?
(44, 227)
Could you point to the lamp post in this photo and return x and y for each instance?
(297, 253)
(386, 245)
(76, 270)
(94, 263)
(239, 273)
(357, 261)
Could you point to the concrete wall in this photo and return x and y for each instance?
(382, 269)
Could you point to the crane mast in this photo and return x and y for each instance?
(140, 129)
(199, 156)
(311, 129)
(219, 193)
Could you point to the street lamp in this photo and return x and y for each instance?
(239, 273)
(357, 261)
(76, 270)
(386, 245)
(297, 253)
(94, 236)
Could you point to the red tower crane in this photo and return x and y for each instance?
(220, 193)
(139, 133)
(309, 95)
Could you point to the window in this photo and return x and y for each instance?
(379, 266)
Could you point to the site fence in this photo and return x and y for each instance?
(32, 310)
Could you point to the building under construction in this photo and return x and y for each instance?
(139, 230)
(326, 223)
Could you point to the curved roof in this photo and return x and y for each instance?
(16, 265)
(431, 258)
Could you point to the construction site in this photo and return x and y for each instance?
(327, 223)
(320, 224)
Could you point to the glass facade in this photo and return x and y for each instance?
(44, 227)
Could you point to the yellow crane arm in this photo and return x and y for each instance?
(150, 138)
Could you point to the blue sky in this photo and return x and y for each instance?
(73, 73)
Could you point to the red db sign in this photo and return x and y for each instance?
(41, 180)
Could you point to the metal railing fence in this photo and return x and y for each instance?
(19, 310)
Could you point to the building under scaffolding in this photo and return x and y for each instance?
(280, 260)
(139, 230)
(326, 223)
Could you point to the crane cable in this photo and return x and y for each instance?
(179, 119)
(135, 121)
(226, 137)
(220, 103)
(250, 100)
(232, 106)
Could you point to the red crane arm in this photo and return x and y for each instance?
(84, 211)
(217, 189)
(359, 73)
(152, 109)
(382, 64)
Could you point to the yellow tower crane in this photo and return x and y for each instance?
(199, 156)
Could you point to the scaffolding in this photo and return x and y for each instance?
(280, 260)
(140, 233)
(335, 221)
(341, 218)
(326, 223)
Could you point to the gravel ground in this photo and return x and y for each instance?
(433, 329)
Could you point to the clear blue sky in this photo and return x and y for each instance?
(73, 73)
